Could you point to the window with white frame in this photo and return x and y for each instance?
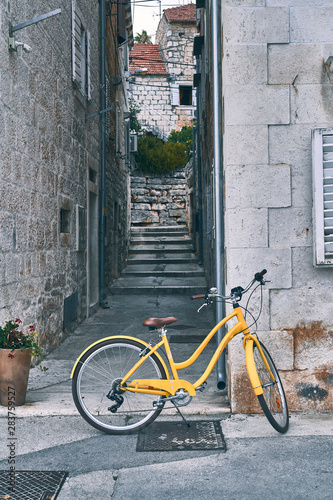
(322, 163)
(80, 52)
(182, 95)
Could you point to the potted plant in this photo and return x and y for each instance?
(16, 349)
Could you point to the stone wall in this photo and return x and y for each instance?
(50, 173)
(161, 199)
(274, 96)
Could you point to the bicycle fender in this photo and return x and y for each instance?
(251, 367)
(144, 344)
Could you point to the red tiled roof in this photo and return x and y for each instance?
(147, 56)
(184, 13)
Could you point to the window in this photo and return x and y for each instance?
(182, 95)
(80, 52)
(322, 163)
(64, 220)
(185, 95)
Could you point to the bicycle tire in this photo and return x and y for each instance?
(100, 367)
(273, 400)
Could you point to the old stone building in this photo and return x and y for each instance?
(161, 80)
(63, 159)
(276, 135)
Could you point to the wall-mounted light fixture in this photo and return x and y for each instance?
(13, 44)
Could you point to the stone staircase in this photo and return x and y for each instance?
(161, 261)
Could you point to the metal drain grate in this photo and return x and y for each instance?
(31, 485)
(187, 339)
(177, 436)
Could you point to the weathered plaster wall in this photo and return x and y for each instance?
(275, 92)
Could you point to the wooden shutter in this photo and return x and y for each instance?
(76, 44)
(174, 92)
(322, 154)
(88, 67)
(80, 50)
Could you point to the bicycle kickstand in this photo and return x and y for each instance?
(180, 413)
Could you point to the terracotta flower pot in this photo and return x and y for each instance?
(14, 374)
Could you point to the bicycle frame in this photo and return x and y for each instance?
(165, 387)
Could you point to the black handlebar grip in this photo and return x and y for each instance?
(259, 276)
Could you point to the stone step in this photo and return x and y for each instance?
(168, 240)
(157, 285)
(159, 229)
(160, 248)
(165, 270)
(162, 258)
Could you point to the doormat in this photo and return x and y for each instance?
(187, 339)
(31, 485)
(177, 436)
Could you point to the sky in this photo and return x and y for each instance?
(146, 14)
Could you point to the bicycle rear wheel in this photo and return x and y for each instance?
(100, 371)
(273, 400)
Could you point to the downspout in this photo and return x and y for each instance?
(199, 173)
(194, 189)
(103, 159)
(218, 180)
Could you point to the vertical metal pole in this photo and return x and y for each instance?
(103, 158)
(219, 211)
(194, 190)
(199, 219)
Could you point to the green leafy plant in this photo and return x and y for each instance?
(156, 156)
(134, 109)
(183, 136)
(14, 338)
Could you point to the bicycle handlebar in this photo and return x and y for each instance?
(235, 292)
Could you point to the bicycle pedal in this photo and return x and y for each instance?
(202, 387)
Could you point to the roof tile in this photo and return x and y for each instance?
(184, 13)
(147, 56)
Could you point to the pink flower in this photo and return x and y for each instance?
(18, 320)
(10, 355)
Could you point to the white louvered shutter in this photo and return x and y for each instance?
(194, 96)
(76, 44)
(80, 52)
(174, 92)
(88, 68)
(322, 154)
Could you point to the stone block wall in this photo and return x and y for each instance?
(50, 174)
(276, 90)
(161, 199)
(46, 150)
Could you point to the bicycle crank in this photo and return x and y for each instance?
(181, 398)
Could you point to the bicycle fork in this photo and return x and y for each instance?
(248, 341)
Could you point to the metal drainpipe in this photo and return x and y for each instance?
(103, 159)
(219, 211)
(194, 193)
(199, 229)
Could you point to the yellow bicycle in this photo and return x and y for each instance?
(120, 384)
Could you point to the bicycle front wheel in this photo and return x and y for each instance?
(273, 400)
(100, 371)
